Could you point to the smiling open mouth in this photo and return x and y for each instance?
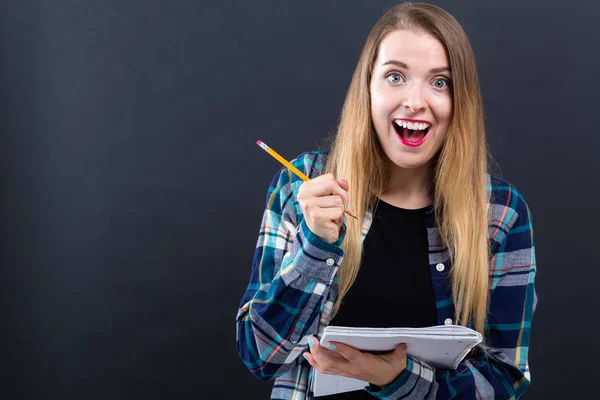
(411, 133)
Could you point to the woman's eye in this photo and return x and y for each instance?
(394, 78)
(441, 83)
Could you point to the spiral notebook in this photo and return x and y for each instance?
(443, 346)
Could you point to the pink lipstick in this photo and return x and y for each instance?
(413, 136)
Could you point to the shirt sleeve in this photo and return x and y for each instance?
(500, 369)
(290, 280)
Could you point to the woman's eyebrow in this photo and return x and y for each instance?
(400, 64)
(440, 69)
(396, 63)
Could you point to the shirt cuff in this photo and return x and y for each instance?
(413, 383)
(312, 256)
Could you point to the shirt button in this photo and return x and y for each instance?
(440, 267)
(448, 321)
(330, 262)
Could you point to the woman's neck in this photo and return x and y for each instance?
(409, 188)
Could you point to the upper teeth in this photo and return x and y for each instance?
(412, 125)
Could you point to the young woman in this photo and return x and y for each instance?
(438, 240)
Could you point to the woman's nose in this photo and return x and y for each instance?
(414, 100)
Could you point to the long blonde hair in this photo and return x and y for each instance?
(460, 199)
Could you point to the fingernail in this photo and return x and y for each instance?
(332, 346)
(305, 357)
(311, 342)
(348, 206)
(345, 219)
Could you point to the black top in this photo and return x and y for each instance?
(393, 287)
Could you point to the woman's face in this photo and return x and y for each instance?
(411, 97)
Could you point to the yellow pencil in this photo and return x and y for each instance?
(292, 168)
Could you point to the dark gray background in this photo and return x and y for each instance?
(132, 188)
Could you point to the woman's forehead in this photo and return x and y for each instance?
(414, 48)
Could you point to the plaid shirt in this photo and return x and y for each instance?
(293, 287)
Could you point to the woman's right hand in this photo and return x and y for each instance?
(323, 201)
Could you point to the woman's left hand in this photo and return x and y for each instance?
(340, 359)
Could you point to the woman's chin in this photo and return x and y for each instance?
(408, 162)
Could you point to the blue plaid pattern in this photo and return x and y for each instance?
(293, 287)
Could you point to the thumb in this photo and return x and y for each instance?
(344, 184)
(401, 350)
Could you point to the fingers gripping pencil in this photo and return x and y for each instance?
(295, 170)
